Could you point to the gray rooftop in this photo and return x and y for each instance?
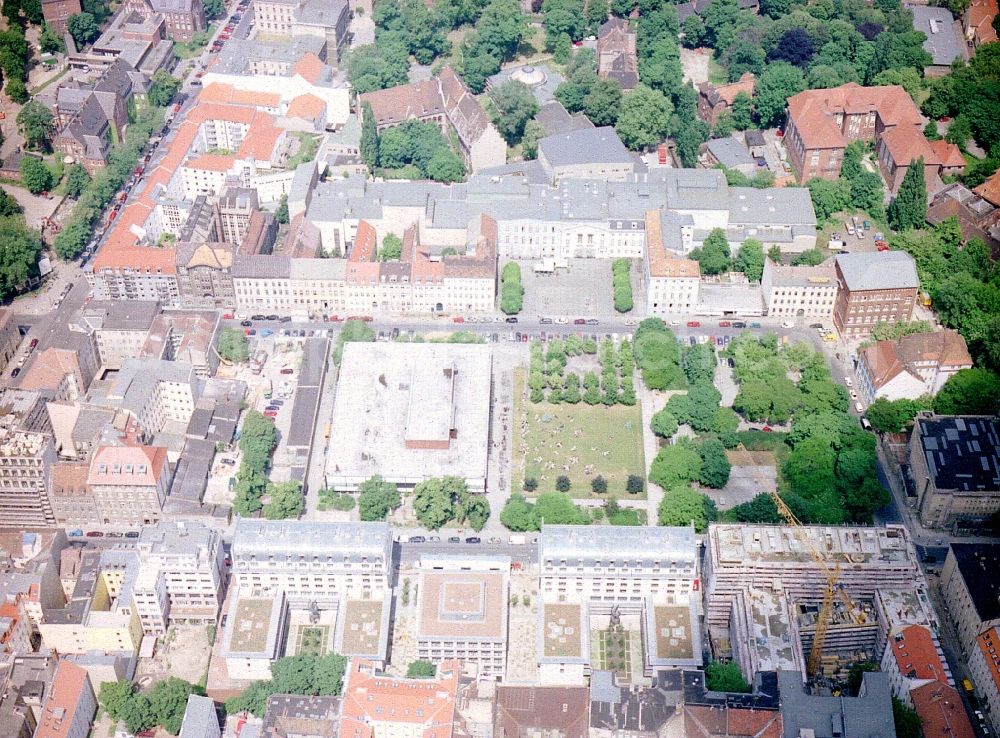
(610, 541)
(730, 152)
(584, 146)
(263, 537)
(943, 43)
(175, 538)
(200, 718)
(555, 119)
(837, 717)
(962, 452)
(878, 270)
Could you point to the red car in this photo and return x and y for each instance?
(458, 319)
(288, 370)
(228, 316)
(881, 245)
(694, 324)
(270, 413)
(31, 346)
(725, 324)
(579, 321)
(336, 319)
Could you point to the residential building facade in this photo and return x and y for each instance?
(799, 291)
(911, 366)
(972, 591)
(71, 706)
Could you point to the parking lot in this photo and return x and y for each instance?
(583, 290)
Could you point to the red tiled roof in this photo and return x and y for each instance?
(370, 698)
(990, 641)
(702, 721)
(211, 162)
(941, 712)
(365, 243)
(813, 111)
(947, 154)
(135, 466)
(307, 107)
(979, 21)
(915, 653)
(68, 687)
(990, 189)
(309, 67)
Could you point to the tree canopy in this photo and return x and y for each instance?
(377, 498)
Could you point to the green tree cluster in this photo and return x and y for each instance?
(35, 176)
(22, 247)
(514, 104)
(377, 498)
(163, 88)
(234, 345)
(421, 670)
(164, 705)
(658, 355)
(498, 33)
(258, 438)
(441, 500)
(554, 508)
(285, 500)
(414, 24)
(422, 147)
(895, 416)
(354, 331)
(713, 256)
(380, 65)
(36, 124)
(392, 248)
(971, 91)
(301, 674)
(621, 284)
(682, 506)
(725, 676)
(511, 291)
(583, 91)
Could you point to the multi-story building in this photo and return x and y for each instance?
(325, 20)
(10, 337)
(913, 658)
(672, 283)
(600, 577)
(970, 587)
(154, 392)
(585, 153)
(24, 687)
(27, 453)
(183, 18)
(234, 209)
(462, 612)
(377, 704)
(344, 559)
(714, 100)
(446, 101)
(117, 330)
(955, 466)
(911, 366)
(201, 720)
(821, 123)
(57, 13)
(71, 705)
(984, 665)
(872, 288)
(180, 576)
(128, 483)
(793, 291)
(101, 613)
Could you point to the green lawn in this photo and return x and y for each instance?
(580, 441)
(190, 49)
(716, 72)
(311, 640)
(307, 150)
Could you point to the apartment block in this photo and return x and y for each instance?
(101, 614)
(155, 392)
(596, 577)
(955, 466)
(794, 291)
(971, 590)
(27, 453)
(183, 18)
(57, 13)
(312, 559)
(180, 577)
(672, 283)
(10, 337)
(24, 687)
(325, 20)
(984, 665)
(872, 288)
(462, 605)
(71, 705)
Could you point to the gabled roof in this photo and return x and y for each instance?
(308, 107)
(880, 270)
(916, 654)
(134, 466)
(942, 714)
(813, 111)
(979, 21)
(309, 67)
(727, 93)
(520, 711)
(990, 189)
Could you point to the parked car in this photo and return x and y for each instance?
(859, 407)
(75, 533)
(473, 539)
(579, 321)
(265, 332)
(270, 413)
(788, 324)
(94, 534)
(417, 539)
(693, 324)
(817, 326)
(285, 319)
(511, 319)
(434, 539)
(228, 462)
(272, 317)
(246, 323)
(848, 382)
(31, 346)
(15, 371)
(545, 321)
(754, 325)
(278, 403)
(288, 370)
(725, 324)
(132, 534)
(739, 324)
(257, 317)
(593, 321)
(454, 539)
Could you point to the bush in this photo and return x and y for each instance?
(511, 291)
(725, 676)
(530, 484)
(599, 485)
(635, 484)
(562, 483)
(622, 284)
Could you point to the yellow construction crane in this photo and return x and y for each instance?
(833, 589)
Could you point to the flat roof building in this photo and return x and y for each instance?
(955, 465)
(297, 716)
(971, 588)
(868, 714)
(410, 412)
(462, 610)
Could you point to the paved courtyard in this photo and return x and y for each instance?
(581, 291)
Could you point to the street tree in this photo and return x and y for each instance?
(163, 88)
(35, 176)
(377, 498)
(83, 28)
(36, 124)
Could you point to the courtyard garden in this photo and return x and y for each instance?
(311, 640)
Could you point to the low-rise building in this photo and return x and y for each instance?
(617, 58)
(672, 283)
(183, 18)
(462, 606)
(292, 716)
(794, 291)
(57, 13)
(587, 153)
(714, 100)
(977, 216)
(201, 720)
(955, 467)
(71, 705)
(24, 686)
(557, 711)
(978, 23)
(911, 366)
(877, 287)
(944, 39)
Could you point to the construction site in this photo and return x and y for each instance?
(812, 599)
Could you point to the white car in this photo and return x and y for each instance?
(788, 324)
(675, 322)
(859, 407)
(848, 382)
(561, 321)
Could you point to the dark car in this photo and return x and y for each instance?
(511, 319)
(246, 323)
(451, 539)
(271, 408)
(593, 321)
(579, 321)
(271, 317)
(132, 534)
(417, 539)
(257, 317)
(94, 534)
(285, 319)
(277, 403)
(817, 326)
(739, 324)
(15, 372)
(473, 539)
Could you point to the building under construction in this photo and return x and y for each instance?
(765, 588)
